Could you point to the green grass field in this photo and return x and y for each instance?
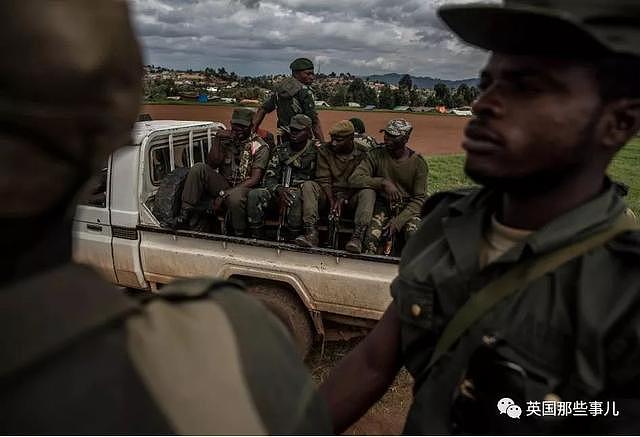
(446, 172)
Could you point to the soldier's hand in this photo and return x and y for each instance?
(287, 196)
(391, 228)
(390, 188)
(336, 205)
(216, 204)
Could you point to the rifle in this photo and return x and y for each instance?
(284, 208)
(334, 229)
(389, 238)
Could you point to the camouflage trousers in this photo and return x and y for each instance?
(204, 179)
(360, 204)
(381, 216)
(261, 200)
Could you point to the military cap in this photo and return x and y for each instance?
(301, 64)
(242, 116)
(358, 125)
(398, 127)
(300, 121)
(590, 29)
(342, 128)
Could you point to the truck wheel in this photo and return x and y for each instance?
(166, 205)
(289, 310)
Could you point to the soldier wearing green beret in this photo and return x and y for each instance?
(78, 355)
(293, 96)
(331, 189)
(517, 304)
(297, 158)
(235, 164)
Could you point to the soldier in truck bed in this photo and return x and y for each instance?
(331, 190)
(400, 177)
(235, 164)
(293, 96)
(300, 155)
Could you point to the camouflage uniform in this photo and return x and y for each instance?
(303, 168)
(239, 161)
(366, 141)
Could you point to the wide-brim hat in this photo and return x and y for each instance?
(590, 28)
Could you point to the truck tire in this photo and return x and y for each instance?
(287, 307)
(166, 205)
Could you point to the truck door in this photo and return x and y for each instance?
(92, 227)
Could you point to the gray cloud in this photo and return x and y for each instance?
(262, 36)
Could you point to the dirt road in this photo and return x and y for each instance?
(432, 134)
(388, 415)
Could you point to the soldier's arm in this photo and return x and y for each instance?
(418, 195)
(267, 107)
(363, 175)
(365, 374)
(309, 109)
(317, 130)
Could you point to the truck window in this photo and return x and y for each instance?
(160, 161)
(95, 193)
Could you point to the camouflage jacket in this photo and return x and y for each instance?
(303, 166)
(240, 159)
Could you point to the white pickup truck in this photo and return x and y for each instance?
(115, 231)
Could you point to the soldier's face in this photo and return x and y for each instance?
(395, 142)
(299, 135)
(240, 132)
(534, 122)
(306, 77)
(342, 143)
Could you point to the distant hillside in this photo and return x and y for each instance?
(421, 82)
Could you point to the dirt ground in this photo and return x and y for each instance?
(432, 134)
(388, 415)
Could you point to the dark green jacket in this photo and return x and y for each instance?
(77, 356)
(290, 98)
(573, 334)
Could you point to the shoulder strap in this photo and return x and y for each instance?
(517, 278)
(298, 153)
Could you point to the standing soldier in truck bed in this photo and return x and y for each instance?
(235, 164)
(336, 161)
(299, 154)
(400, 177)
(293, 96)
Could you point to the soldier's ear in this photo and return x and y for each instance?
(621, 123)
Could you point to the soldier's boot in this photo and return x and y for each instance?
(354, 245)
(256, 232)
(182, 221)
(311, 237)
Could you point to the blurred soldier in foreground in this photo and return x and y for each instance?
(517, 305)
(400, 177)
(235, 164)
(361, 136)
(76, 355)
(291, 164)
(293, 96)
(336, 161)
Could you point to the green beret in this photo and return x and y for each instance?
(301, 64)
(300, 121)
(242, 116)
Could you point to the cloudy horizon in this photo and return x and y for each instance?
(256, 37)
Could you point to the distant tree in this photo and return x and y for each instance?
(357, 91)
(400, 97)
(443, 95)
(385, 99)
(405, 82)
(339, 98)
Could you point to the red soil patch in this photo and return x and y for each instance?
(432, 134)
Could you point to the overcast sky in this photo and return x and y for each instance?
(254, 37)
